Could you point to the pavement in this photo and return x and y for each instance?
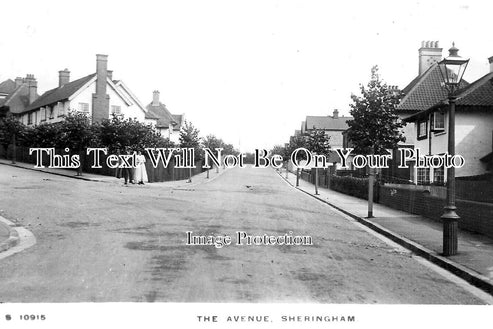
(9, 237)
(423, 236)
(197, 179)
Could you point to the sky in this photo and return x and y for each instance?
(248, 72)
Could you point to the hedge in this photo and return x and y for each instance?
(354, 186)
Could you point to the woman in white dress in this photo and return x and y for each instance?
(140, 175)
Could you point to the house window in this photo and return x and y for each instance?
(422, 129)
(438, 122)
(30, 118)
(43, 114)
(84, 107)
(423, 176)
(117, 110)
(52, 112)
(439, 176)
(60, 111)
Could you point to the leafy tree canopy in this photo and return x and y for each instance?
(375, 126)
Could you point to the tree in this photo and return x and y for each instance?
(319, 143)
(375, 126)
(77, 133)
(212, 142)
(296, 142)
(189, 138)
(280, 150)
(119, 134)
(11, 132)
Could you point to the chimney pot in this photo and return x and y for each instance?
(335, 114)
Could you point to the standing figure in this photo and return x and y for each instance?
(124, 172)
(140, 175)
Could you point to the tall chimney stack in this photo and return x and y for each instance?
(32, 86)
(429, 53)
(335, 114)
(63, 77)
(100, 100)
(155, 98)
(18, 82)
(490, 60)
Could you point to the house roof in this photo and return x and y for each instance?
(7, 86)
(160, 112)
(478, 94)
(424, 91)
(60, 93)
(17, 98)
(179, 120)
(326, 122)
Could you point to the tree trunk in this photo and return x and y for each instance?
(316, 181)
(79, 170)
(14, 149)
(371, 180)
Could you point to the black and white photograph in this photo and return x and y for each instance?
(231, 164)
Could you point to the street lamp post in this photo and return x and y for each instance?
(452, 69)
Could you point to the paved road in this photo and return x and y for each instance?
(105, 242)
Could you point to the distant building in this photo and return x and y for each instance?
(333, 126)
(16, 96)
(97, 94)
(169, 125)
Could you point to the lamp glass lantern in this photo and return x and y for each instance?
(452, 69)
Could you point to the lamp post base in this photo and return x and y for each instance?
(450, 228)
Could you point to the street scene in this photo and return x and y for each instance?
(225, 161)
(116, 244)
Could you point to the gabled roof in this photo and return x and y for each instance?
(17, 98)
(7, 86)
(327, 122)
(60, 93)
(179, 118)
(478, 94)
(165, 118)
(123, 86)
(424, 91)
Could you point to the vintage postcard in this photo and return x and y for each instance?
(246, 163)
